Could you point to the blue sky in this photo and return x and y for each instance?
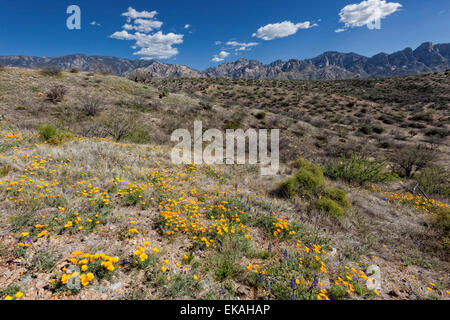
(205, 33)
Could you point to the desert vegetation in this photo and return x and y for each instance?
(89, 194)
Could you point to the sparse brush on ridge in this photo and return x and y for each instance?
(51, 71)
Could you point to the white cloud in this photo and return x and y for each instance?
(187, 26)
(133, 14)
(221, 56)
(339, 30)
(281, 30)
(95, 24)
(365, 12)
(143, 25)
(149, 45)
(122, 35)
(241, 46)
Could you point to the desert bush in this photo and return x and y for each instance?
(441, 221)
(357, 169)
(139, 134)
(330, 206)
(164, 93)
(308, 181)
(51, 71)
(434, 181)
(338, 195)
(51, 134)
(410, 159)
(74, 70)
(91, 105)
(56, 93)
(120, 126)
(236, 119)
(260, 115)
(288, 188)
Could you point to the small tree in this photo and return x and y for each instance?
(410, 159)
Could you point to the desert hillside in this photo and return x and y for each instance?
(89, 195)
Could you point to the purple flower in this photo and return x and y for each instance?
(262, 278)
(222, 291)
(314, 284)
(293, 283)
(293, 297)
(270, 248)
(285, 254)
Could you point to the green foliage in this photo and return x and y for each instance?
(309, 181)
(224, 262)
(4, 170)
(44, 260)
(289, 188)
(357, 169)
(338, 195)
(235, 122)
(52, 135)
(139, 135)
(330, 206)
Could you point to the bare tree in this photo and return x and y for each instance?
(119, 126)
(56, 93)
(91, 105)
(410, 159)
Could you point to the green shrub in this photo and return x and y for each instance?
(139, 135)
(309, 181)
(357, 169)
(289, 188)
(330, 206)
(51, 134)
(441, 221)
(337, 195)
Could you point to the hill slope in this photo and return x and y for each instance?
(97, 190)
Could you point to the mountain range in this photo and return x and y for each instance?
(427, 58)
